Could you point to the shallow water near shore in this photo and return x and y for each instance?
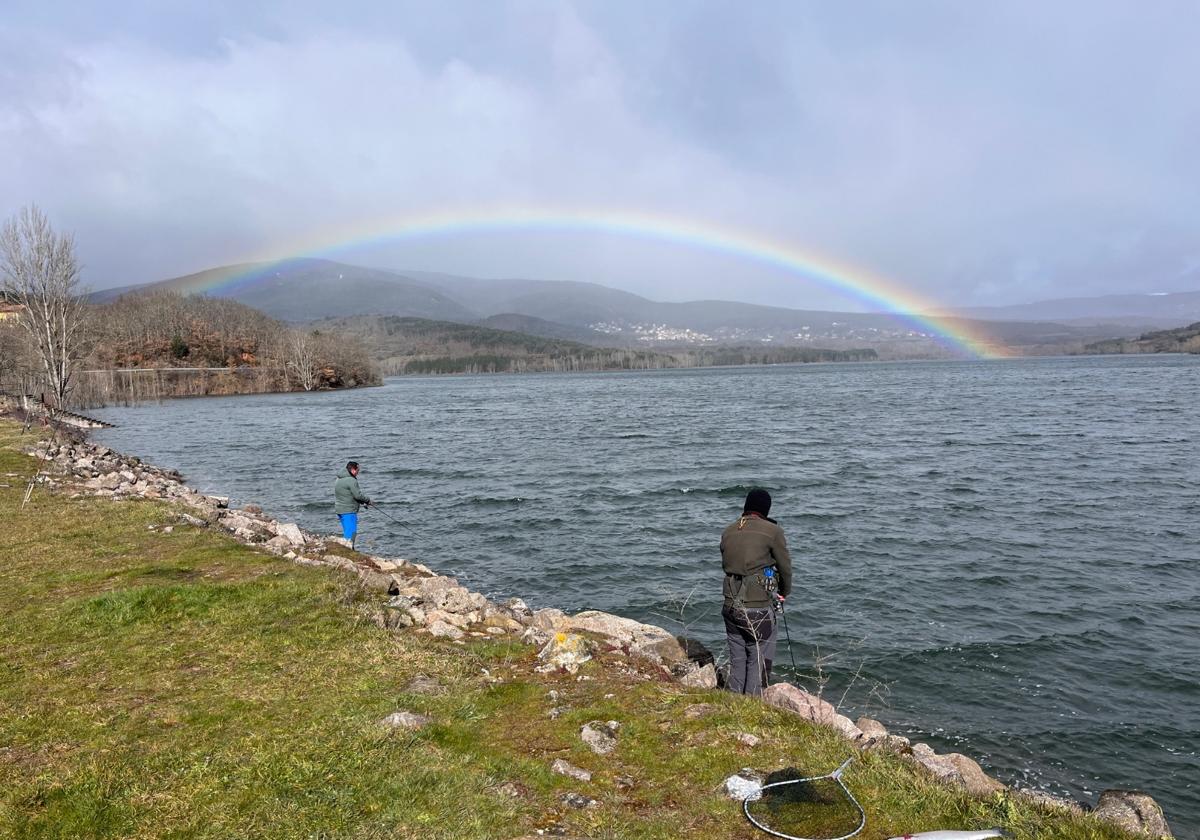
(1000, 558)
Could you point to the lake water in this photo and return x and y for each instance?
(1001, 558)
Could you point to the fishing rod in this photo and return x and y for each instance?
(375, 506)
(788, 633)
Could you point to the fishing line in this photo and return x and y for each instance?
(788, 634)
(836, 775)
(375, 506)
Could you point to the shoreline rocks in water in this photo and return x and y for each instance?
(420, 600)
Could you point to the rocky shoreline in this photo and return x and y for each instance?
(414, 598)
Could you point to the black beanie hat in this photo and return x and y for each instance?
(758, 501)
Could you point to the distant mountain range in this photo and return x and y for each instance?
(303, 290)
(1162, 310)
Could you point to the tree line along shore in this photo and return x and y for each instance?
(180, 667)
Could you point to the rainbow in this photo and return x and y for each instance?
(874, 292)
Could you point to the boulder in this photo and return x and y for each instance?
(564, 650)
(871, 728)
(371, 579)
(517, 606)
(600, 735)
(747, 739)
(956, 769)
(704, 676)
(810, 707)
(645, 640)
(445, 631)
(276, 545)
(255, 509)
(443, 593)
(548, 619)
(291, 532)
(1048, 801)
(448, 617)
(1132, 811)
(564, 768)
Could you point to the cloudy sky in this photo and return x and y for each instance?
(974, 152)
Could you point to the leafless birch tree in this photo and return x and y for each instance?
(41, 273)
(302, 358)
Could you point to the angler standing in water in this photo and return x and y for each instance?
(758, 576)
(347, 497)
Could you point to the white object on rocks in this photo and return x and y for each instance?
(565, 768)
(739, 787)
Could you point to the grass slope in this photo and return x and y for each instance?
(181, 685)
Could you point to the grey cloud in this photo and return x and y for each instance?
(979, 153)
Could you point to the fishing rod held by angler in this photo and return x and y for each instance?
(787, 632)
(375, 506)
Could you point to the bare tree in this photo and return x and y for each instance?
(41, 274)
(302, 358)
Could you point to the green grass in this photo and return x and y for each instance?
(180, 685)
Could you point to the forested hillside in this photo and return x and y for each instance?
(171, 344)
(416, 345)
(1180, 340)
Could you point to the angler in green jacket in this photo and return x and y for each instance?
(347, 497)
(758, 576)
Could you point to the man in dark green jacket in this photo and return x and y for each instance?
(758, 576)
(347, 497)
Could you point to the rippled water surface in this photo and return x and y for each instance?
(1002, 558)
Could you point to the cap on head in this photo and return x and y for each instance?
(758, 501)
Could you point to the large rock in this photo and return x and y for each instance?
(443, 593)
(565, 768)
(600, 735)
(566, 651)
(460, 621)
(876, 737)
(956, 769)
(291, 532)
(645, 640)
(871, 728)
(548, 619)
(1133, 811)
(445, 631)
(702, 676)
(810, 707)
(1048, 801)
(373, 580)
